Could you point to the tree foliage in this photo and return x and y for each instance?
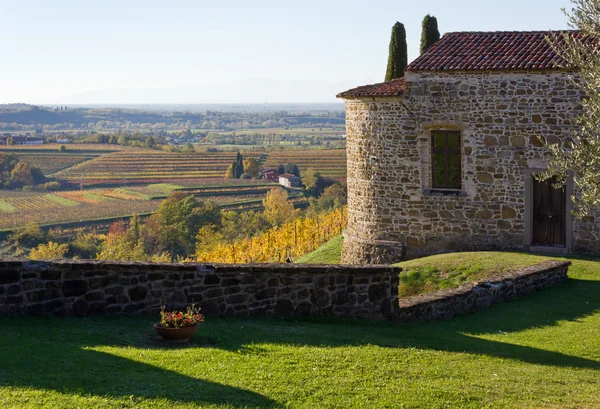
(278, 209)
(128, 244)
(333, 197)
(49, 251)
(311, 179)
(17, 174)
(252, 167)
(29, 235)
(579, 158)
(398, 53)
(429, 32)
(175, 224)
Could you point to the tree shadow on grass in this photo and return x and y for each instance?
(571, 301)
(58, 354)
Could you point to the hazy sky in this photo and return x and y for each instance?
(129, 51)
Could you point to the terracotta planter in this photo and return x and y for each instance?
(179, 335)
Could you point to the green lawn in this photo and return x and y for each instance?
(538, 351)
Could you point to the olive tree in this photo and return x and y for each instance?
(580, 157)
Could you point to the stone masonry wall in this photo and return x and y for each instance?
(393, 212)
(69, 287)
(468, 298)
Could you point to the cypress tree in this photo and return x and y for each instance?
(238, 166)
(430, 33)
(398, 57)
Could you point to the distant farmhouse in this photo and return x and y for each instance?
(443, 159)
(289, 180)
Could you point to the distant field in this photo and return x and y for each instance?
(129, 181)
(331, 163)
(53, 147)
(153, 166)
(19, 208)
(283, 131)
(50, 163)
(50, 160)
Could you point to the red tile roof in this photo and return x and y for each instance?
(391, 88)
(490, 51)
(474, 51)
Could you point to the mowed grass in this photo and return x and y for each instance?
(541, 351)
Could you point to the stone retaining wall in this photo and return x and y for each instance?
(79, 288)
(95, 287)
(468, 298)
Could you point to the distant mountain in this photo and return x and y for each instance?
(245, 91)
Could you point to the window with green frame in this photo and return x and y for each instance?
(445, 160)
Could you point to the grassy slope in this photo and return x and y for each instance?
(539, 351)
(433, 273)
(328, 253)
(430, 274)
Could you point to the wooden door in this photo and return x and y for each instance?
(549, 215)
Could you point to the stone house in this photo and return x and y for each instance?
(444, 159)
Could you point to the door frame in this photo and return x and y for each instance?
(529, 219)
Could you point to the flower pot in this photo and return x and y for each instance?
(179, 335)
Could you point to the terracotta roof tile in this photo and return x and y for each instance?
(475, 51)
(490, 51)
(391, 88)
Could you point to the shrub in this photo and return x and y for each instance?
(51, 186)
(48, 251)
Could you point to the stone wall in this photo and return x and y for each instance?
(69, 287)
(468, 298)
(392, 210)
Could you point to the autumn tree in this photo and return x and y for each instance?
(208, 238)
(21, 175)
(29, 235)
(229, 172)
(429, 32)
(333, 197)
(398, 53)
(278, 209)
(580, 158)
(252, 167)
(177, 221)
(128, 245)
(310, 179)
(49, 251)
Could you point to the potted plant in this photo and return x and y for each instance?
(178, 326)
